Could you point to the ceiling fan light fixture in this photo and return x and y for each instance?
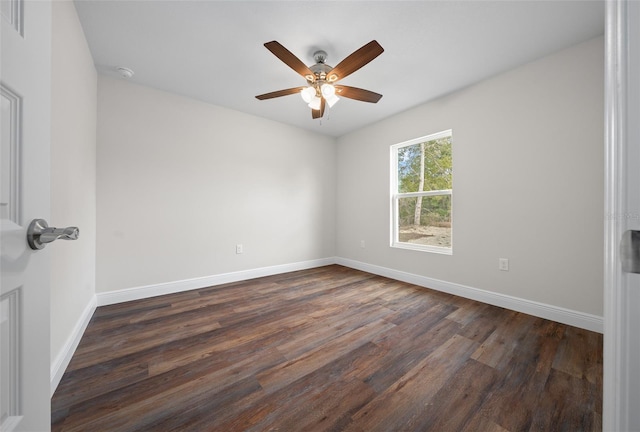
(308, 94)
(320, 90)
(315, 103)
(331, 100)
(327, 90)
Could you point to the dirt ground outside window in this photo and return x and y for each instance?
(426, 235)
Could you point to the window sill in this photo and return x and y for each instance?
(423, 248)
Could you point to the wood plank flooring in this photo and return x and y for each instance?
(327, 349)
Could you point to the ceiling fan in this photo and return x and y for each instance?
(321, 78)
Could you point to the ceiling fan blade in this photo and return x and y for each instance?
(357, 94)
(290, 60)
(279, 93)
(355, 61)
(318, 113)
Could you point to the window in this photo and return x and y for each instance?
(421, 192)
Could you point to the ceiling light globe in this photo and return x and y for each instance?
(327, 90)
(308, 94)
(331, 100)
(315, 103)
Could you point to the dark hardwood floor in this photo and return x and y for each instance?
(327, 349)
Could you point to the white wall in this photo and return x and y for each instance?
(528, 183)
(181, 182)
(73, 178)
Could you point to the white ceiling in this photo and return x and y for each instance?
(213, 50)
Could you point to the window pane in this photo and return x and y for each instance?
(432, 159)
(425, 220)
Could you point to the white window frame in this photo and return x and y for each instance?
(395, 197)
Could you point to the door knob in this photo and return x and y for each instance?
(40, 233)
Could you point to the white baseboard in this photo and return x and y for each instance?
(554, 313)
(136, 293)
(64, 356)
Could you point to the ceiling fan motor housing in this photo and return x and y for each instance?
(320, 71)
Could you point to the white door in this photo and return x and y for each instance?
(621, 411)
(25, 78)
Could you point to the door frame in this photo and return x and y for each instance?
(620, 315)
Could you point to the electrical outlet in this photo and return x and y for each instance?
(362, 244)
(503, 264)
(239, 249)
